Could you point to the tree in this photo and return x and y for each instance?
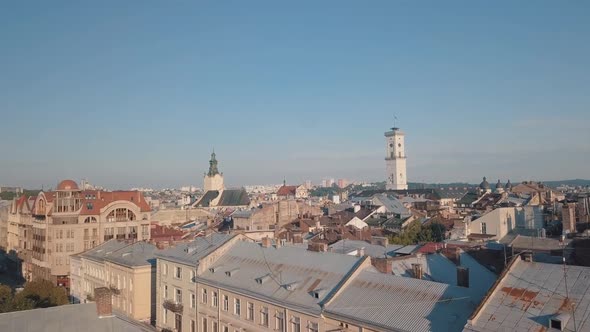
(36, 294)
(415, 233)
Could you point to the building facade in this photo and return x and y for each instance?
(395, 160)
(48, 228)
(127, 268)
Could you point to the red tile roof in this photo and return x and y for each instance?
(287, 191)
(100, 199)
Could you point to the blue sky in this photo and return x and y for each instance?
(137, 93)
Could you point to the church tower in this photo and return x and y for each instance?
(395, 160)
(213, 179)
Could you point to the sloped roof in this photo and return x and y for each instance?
(303, 270)
(124, 253)
(390, 302)
(71, 317)
(287, 190)
(190, 253)
(530, 293)
(234, 197)
(205, 201)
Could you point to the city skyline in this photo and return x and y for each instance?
(132, 96)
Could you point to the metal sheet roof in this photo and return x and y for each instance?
(190, 253)
(350, 247)
(307, 270)
(395, 303)
(533, 292)
(124, 253)
(73, 317)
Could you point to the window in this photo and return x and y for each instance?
(295, 324)
(214, 326)
(312, 326)
(165, 269)
(193, 276)
(204, 295)
(225, 303)
(193, 300)
(280, 321)
(193, 326)
(264, 316)
(214, 299)
(165, 290)
(178, 272)
(178, 296)
(165, 316)
(145, 231)
(204, 324)
(225, 329)
(250, 312)
(178, 322)
(237, 305)
(483, 228)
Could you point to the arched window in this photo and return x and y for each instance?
(121, 214)
(89, 220)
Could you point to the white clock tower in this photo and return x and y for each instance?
(395, 160)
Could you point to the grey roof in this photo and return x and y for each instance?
(205, 201)
(190, 253)
(350, 247)
(533, 292)
(304, 270)
(73, 317)
(390, 303)
(234, 197)
(124, 253)
(407, 250)
(536, 243)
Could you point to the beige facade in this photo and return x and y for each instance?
(125, 269)
(187, 302)
(52, 226)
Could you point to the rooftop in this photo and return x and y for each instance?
(531, 293)
(122, 252)
(299, 279)
(192, 252)
(73, 317)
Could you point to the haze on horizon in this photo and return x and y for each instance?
(130, 94)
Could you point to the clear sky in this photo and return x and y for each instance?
(137, 93)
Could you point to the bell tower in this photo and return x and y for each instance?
(395, 160)
(213, 179)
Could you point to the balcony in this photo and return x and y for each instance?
(173, 306)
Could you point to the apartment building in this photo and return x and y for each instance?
(127, 268)
(227, 283)
(47, 229)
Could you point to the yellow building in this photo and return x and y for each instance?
(126, 268)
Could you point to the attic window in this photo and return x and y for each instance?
(318, 293)
(231, 272)
(263, 279)
(214, 268)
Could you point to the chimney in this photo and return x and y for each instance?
(382, 264)
(453, 254)
(527, 257)
(380, 241)
(417, 271)
(357, 208)
(266, 242)
(462, 276)
(360, 252)
(104, 305)
(317, 247)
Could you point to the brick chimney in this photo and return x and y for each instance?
(417, 271)
(104, 304)
(462, 276)
(317, 247)
(382, 264)
(266, 242)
